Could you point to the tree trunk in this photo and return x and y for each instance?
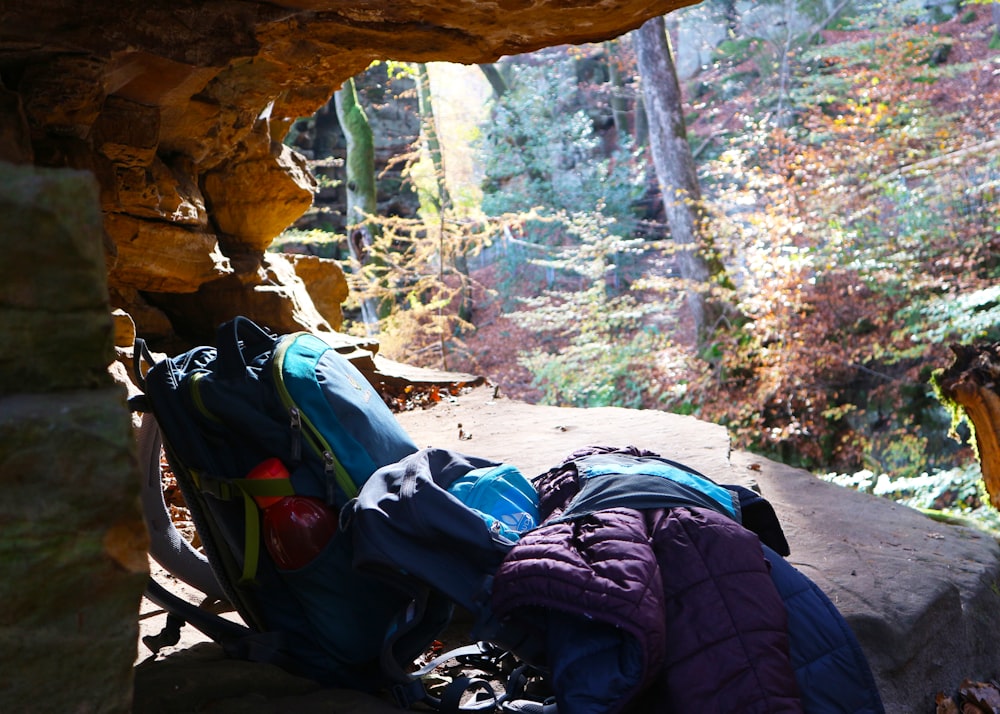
(619, 107)
(496, 80)
(428, 125)
(361, 196)
(676, 172)
(782, 117)
(360, 163)
(727, 11)
(970, 385)
(641, 122)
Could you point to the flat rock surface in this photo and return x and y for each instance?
(921, 596)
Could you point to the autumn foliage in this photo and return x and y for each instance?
(851, 184)
(869, 225)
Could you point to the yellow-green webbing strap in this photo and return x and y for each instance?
(251, 517)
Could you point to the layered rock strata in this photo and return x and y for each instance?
(180, 109)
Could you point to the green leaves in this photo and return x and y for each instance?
(965, 317)
(601, 354)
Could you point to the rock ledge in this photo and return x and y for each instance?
(920, 595)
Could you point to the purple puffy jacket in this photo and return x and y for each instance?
(668, 610)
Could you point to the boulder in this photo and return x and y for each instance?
(150, 321)
(73, 541)
(127, 132)
(326, 283)
(283, 294)
(73, 547)
(273, 295)
(124, 328)
(15, 135)
(63, 94)
(920, 595)
(158, 192)
(188, 129)
(259, 194)
(179, 681)
(157, 256)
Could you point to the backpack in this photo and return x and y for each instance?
(406, 551)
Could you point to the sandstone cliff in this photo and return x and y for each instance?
(179, 110)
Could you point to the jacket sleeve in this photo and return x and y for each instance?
(726, 643)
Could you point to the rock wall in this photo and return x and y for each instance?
(72, 540)
(179, 110)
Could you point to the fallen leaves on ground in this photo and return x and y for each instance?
(972, 698)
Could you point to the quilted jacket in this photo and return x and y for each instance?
(669, 609)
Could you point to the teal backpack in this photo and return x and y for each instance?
(349, 617)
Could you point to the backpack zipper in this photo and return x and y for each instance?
(295, 424)
(333, 470)
(330, 476)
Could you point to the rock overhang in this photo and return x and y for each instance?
(179, 110)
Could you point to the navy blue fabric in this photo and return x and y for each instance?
(831, 668)
(758, 516)
(224, 409)
(595, 666)
(406, 520)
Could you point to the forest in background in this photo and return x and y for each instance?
(848, 163)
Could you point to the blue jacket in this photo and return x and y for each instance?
(831, 668)
(675, 608)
